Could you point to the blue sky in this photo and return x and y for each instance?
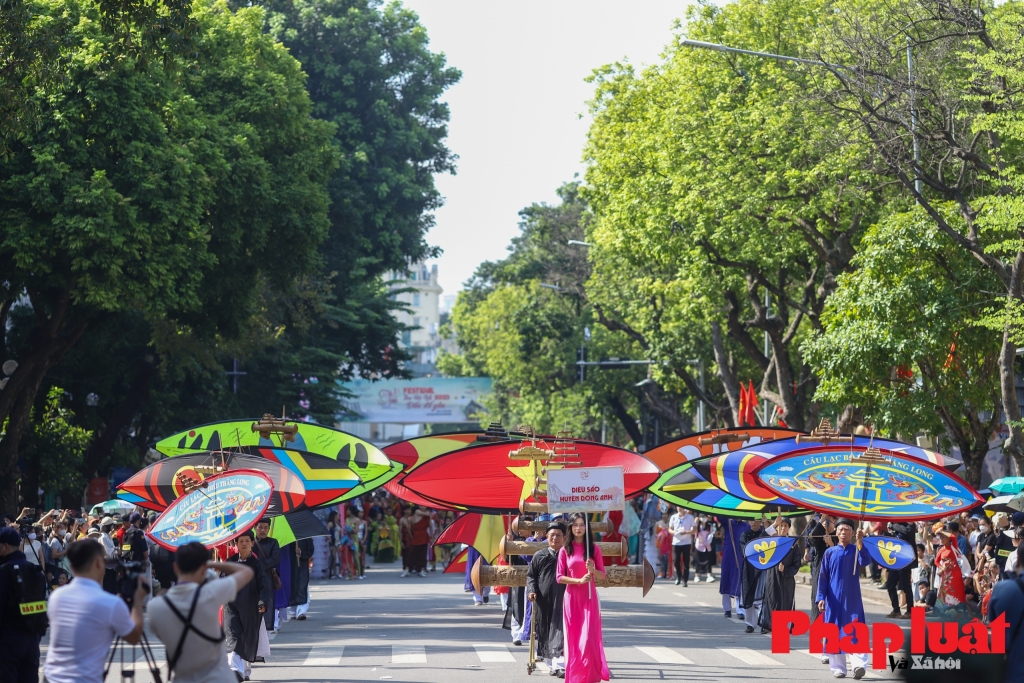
(519, 118)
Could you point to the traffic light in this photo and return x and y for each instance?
(581, 370)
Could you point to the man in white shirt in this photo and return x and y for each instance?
(680, 525)
(84, 619)
(197, 655)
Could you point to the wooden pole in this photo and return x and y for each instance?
(506, 547)
(632, 576)
(521, 527)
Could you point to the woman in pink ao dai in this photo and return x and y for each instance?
(581, 609)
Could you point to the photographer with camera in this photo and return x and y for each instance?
(185, 618)
(84, 619)
(22, 611)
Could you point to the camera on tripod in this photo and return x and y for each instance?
(25, 526)
(127, 580)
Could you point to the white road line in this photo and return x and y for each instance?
(663, 655)
(408, 654)
(817, 656)
(682, 595)
(493, 652)
(702, 604)
(748, 656)
(326, 655)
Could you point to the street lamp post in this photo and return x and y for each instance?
(699, 362)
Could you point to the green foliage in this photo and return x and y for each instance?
(715, 180)
(526, 337)
(912, 306)
(373, 76)
(56, 446)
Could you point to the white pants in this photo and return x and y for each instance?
(556, 663)
(750, 615)
(238, 664)
(727, 603)
(296, 612)
(837, 663)
(280, 616)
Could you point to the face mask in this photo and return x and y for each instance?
(31, 537)
(984, 529)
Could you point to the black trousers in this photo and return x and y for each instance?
(682, 552)
(418, 558)
(899, 580)
(19, 656)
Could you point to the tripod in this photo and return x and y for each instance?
(147, 652)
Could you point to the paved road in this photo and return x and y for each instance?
(426, 630)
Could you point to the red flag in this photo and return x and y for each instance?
(482, 532)
(741, 412)
(458, 563)
(751, 404)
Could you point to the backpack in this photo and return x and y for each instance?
(30, 593)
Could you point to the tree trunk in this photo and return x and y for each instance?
(122, 417)
(725, 373)
(49, 351)
(628, 422)
(1014, 446)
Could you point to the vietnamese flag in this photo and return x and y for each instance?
(482, 532)
(483, 479)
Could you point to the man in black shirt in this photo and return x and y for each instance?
(1000, 545)
(19, 639)
(269, 552)
(134, 547)
(907, 533)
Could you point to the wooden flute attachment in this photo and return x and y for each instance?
(530, 452)
(507, 547)
(632, 576)
(524, 527)
(525, 506)
(824, 433)
(722, 438)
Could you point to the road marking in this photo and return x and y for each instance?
(663, 655)
(315, 588)
(748, 656)
(408, 654)
(493, 652)
(327, 655)
(816, 655)
(702, 604)
(682, 595)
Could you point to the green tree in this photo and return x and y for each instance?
(902, 338)
(947, 132)
(522, 320)
(56, 446)
(174, 193)
(726, 205)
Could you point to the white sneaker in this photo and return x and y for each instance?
(710, 579)
(405, 573)
(424, 573)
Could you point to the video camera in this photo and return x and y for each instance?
(25, 526)
(128, 574)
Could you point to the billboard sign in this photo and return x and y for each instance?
(421, 400)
